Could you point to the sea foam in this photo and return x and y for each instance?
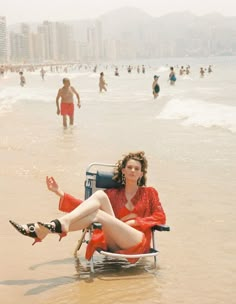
(195, 112)
(11, 95)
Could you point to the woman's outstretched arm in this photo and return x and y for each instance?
(53, 186)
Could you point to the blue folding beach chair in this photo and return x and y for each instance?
(99, 176)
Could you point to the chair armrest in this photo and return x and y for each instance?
(97, 225)
(161, 228)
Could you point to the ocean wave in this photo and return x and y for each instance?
(195, 112)
(12, 95)
(163, 69)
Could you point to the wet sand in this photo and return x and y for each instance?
(193, 169)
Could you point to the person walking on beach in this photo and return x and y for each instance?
(209, 69)
(143, 69)
(155, 87)
(22, 79)
(187, 70)
(181, 71)
(102, 83)
(117, 72)
(66, 94)
(172, 77)
(2, 70)
(42, 73)
(202, 72)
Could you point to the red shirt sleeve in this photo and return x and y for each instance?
(68, 203)
(155, 214)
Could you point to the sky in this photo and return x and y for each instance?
(58, 10)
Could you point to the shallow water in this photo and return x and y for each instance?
(188, 134)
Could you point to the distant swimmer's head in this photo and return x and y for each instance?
(101, 74)
(66, 81)
(156, 77)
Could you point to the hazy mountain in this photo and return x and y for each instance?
(124, 20)
(176, 34)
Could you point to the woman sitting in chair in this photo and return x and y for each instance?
(126, 213)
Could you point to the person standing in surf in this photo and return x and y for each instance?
(172, 76)
(22, 79)
(102, 83)
(66, 94)
(155, 87)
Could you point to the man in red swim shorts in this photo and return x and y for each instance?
(66, 94)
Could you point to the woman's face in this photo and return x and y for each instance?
(132, 170)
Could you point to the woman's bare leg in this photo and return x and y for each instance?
(86, 211)
(99, 200)
(97, 208)
(118, 234)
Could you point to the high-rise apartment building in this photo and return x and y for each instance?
(27, 54)
(95, 42)
(50, 40)
(99, 50)
(64, 42)
(16, 47)
(21, 45)
(3, 40)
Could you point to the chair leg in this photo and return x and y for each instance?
(80, 242)
(91, 260)
(155, 261)
(91, 265)
(154, 247)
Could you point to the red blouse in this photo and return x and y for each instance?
(147, 207)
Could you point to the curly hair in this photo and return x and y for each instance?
(138, 156)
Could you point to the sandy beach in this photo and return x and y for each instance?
(189, 137)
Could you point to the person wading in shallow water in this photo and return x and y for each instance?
(172, 76)
(66, 94)
(102, 83)
(22, 79)
(155, 87)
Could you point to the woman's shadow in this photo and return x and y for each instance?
(105, 270)
(47, 284)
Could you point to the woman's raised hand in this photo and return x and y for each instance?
(53, 186)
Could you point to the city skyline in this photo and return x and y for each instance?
(15, 12)
(139, 35)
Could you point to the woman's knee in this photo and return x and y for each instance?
(101, 195)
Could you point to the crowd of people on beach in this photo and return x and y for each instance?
(65, 95)
(72, 67)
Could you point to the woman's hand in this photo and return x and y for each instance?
(131, 223)
(129, 216)
(53, 186)
(129, 219)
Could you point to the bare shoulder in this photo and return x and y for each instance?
(59, 92)
(74, 90)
